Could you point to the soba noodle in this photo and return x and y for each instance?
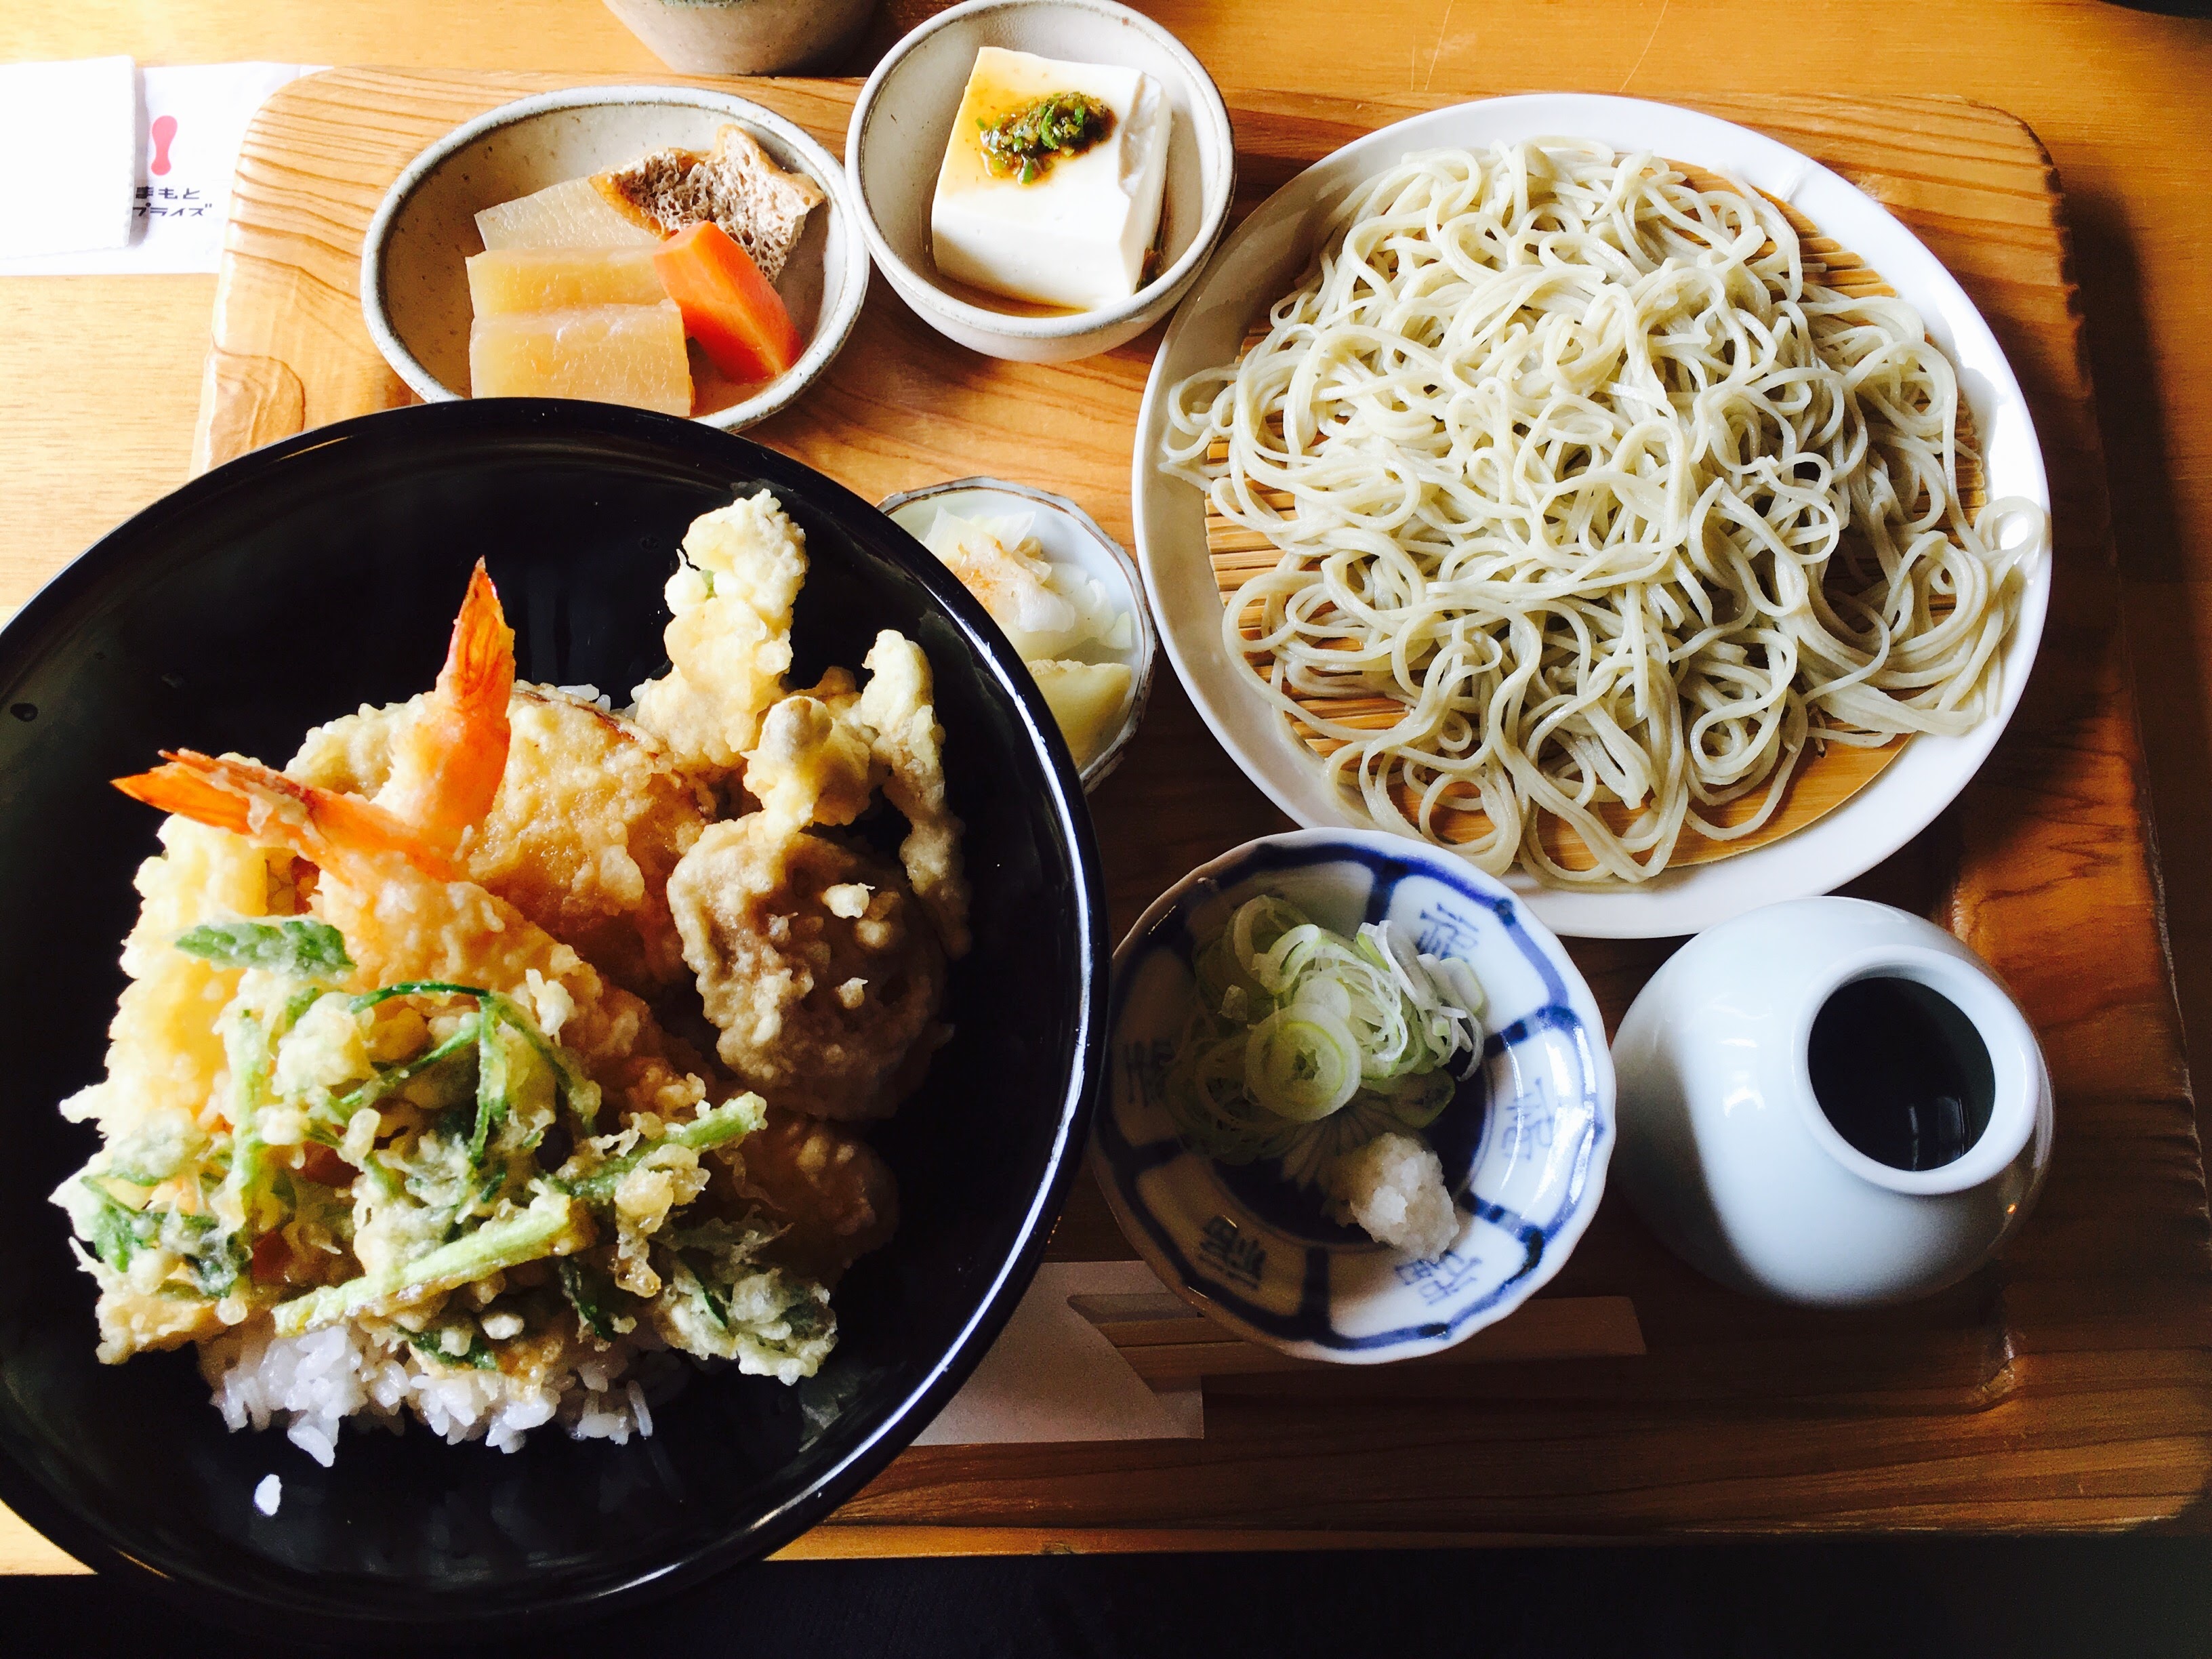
(1572, 464)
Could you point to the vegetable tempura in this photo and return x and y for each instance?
(409, 1103)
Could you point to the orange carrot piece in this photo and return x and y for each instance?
(728, 306)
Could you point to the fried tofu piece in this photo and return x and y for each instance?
(738, 186)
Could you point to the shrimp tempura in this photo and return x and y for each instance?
(448, 762)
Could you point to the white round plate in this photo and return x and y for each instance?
(1267, 254)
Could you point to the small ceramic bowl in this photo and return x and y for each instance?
(744, 37)
(414, 278)
(905, 115)
(1068, 535)
(1524, 1143)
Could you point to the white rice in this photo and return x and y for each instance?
(313, 1384)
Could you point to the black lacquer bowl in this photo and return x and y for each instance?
(323, 572)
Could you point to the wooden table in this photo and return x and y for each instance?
(99, 380)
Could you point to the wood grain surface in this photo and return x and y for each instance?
(1171, 1344)
(2069, 1386)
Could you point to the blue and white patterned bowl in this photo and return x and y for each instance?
(1524, 1143)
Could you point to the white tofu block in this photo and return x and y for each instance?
(1076, 236)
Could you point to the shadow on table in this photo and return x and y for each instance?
(2142, 1597)
(2160, 592)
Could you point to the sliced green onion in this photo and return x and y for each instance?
(551, 1226)
(1301, 1064)
(415, 987)
(493, 1083)
(1299, 1033)
(732, 1120)
(579, 1093)
(389, 1077)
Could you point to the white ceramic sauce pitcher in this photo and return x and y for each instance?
(1729, 1152)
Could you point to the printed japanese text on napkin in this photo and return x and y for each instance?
(140, 182)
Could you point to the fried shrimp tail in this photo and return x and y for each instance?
(448, 762)
(334, 831)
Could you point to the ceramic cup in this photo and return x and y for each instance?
(744, 37)
(1831, 1101)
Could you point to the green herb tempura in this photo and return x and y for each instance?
(421, 1161)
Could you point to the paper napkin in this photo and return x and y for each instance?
(178, 129)
(1053, 1375)
(68, 156)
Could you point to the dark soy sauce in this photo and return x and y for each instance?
(1903, 1075)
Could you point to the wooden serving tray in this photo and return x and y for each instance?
(2067, 1386)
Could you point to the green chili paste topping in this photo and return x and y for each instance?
(1025, 144)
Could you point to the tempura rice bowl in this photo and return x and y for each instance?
(186, 627)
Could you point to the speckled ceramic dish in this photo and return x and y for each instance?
(1264, 258)
(745, 37)
(897, 142)
(414, 277)
(1068, 535)
(1524, 1143)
